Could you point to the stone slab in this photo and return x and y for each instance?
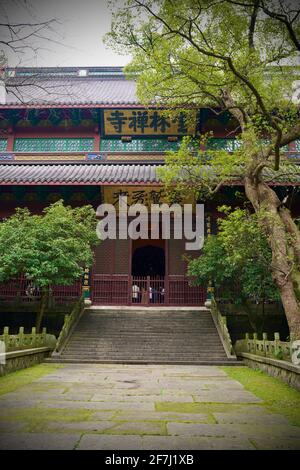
(158, 416)
(11, 426)
(218, 396)
(195, 372)
(245, 417)
(123, 405)
(233, 430)
(281, 443)
(139, 428)
(38, 441)
(15, 403)
(194, 443)
(80, 426)
(109, 442)
(201, 383)
(80, 396)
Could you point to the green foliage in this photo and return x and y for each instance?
(189, 54)
(50, 249)
(229, 57)
(237, 260)
(181, 48)
(195, 171)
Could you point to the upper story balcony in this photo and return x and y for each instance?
(126, 148)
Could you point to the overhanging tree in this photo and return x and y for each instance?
(227, 56)
(21, 42)
(49, 249)
(237, 261)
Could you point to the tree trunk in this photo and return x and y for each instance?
(293, 230)
(40, 314)
(262, 197)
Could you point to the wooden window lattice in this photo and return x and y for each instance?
(3, 145)
(53, 144)
(216, 143)
(230, 145)
(138, 145)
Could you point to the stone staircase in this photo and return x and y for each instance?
(146, 336)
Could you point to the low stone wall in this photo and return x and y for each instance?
(16, 360)
(286, 371)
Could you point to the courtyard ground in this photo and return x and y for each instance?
(114, 407)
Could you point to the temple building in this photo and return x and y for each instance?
(80, 134)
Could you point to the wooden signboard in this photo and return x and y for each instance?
(145, 195)
(150, 122)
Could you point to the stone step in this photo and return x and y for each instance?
(148, 311)
(144, 316)
(147, 358)
(141, 355)
(115, 333)
(135, 354)
(145, 336)
(142, 351)
(220, 362)
(123, 342)
(148, 323)
(153, 341)
(147, 348)
(134, 327)
(174, 333)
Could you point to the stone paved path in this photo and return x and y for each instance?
(114, 407)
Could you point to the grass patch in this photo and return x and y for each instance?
(277, 396)
(14, 380)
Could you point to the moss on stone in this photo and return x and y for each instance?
(277, 396)
(183, 407)
(36, 419)
(115, 430)
(15, 380)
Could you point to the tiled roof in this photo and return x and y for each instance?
(76, 91)
(289, 173)
(97, 173)
(72, 174)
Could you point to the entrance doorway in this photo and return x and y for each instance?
(148, 269)
(148, 260)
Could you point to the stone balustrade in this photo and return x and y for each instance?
(18, 351)
(20, 341)
(264, 347)
(70, 322)
(221, 325)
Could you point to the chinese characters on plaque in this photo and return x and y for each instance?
(144, 122)
(138, 195)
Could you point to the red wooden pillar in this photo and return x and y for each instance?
(10, 142)
(166, 286)
(129, 289)
(148, 287)
(97, 141)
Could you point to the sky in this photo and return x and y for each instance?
(76, 40)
